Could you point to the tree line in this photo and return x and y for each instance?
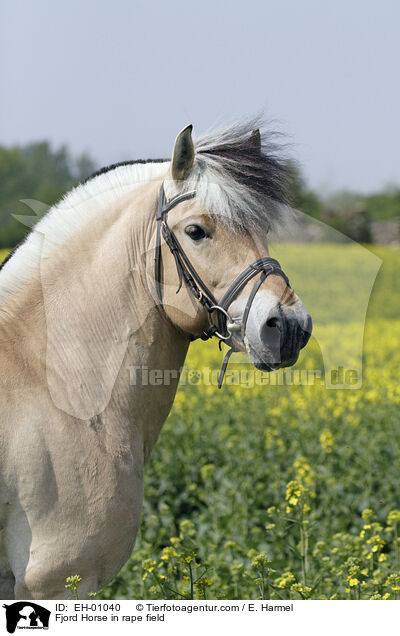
(40, 172)
(35, 171)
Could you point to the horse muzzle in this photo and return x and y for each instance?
(275, 341)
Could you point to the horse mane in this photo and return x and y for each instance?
(238, 174)
(248, 175)
(73, 212)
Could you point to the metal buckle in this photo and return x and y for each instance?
(235, 325)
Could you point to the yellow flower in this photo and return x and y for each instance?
(294, 490)
(149, 565)
(285, 580)
(368, 513)
(327, 441)
(353, 582)
(393, 517)
(168, 553)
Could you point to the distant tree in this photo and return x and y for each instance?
(348, 213)
(301, 197)
(35, 171)
(385, 204)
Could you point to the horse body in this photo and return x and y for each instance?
(71, 488)
(76, 433)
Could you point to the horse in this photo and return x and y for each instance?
(124, 272)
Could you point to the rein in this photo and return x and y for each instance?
(225, 326)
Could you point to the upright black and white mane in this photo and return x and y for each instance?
(250, 176)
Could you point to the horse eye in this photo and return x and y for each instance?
(196, 232)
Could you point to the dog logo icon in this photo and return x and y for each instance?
(26, 615)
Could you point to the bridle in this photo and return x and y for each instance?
(225, 326)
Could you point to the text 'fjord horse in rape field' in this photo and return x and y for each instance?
(124, 272)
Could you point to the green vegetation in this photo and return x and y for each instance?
(35, 171)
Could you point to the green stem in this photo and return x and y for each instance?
(191, 582)
(303, 549)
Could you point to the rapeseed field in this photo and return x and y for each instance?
(284, 491)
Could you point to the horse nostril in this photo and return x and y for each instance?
(273, 322)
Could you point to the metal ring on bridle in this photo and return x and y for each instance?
(221, 337)
(219, 308)
(227, 316)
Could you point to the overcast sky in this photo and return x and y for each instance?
(119, 79)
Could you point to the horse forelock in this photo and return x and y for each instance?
(241, 174)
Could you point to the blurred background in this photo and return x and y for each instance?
(87, 84)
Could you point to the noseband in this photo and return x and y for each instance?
(225, 326)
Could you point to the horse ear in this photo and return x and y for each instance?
(255, 139)
(183, 154)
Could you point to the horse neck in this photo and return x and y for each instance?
(89, 317)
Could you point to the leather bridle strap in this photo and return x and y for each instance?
(164, 207)
(263, 267)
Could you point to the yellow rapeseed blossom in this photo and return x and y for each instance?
(353, 581)
(393, 517)
(168, 553)
(368, 513)
(304, 472)
(393, 581)
(294, 490)
(326, 440)
(284, 581)
(376, 543)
